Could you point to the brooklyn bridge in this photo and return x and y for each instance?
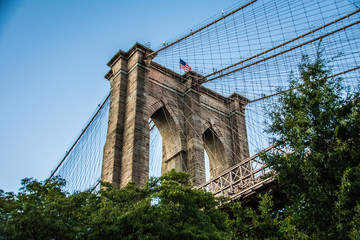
(209, 118)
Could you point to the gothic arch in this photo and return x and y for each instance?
(154, 107)
(215, 149)
(170, 133)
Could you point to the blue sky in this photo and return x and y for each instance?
(53, 56)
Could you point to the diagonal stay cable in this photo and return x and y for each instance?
(302, 85)
(200, 29)
(78, 139)
(282, 52)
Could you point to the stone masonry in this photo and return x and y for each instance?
(189, 116)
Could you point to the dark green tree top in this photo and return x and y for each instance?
(319, 122)
(164, 208)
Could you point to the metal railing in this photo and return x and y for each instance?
(242, 178)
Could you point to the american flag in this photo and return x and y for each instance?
(184, 66)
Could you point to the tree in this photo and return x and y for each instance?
(39, 211)
(262, 223)
(319, 120)
(164, 208)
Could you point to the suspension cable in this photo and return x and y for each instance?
(280, 53)
(78, 139)
(302, 85)
(200, 29)
(285, 43)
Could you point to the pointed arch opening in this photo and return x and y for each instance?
(207, 166)
(215, 151)
(165, 143)
(155, 150)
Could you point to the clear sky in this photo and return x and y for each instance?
(53, 56)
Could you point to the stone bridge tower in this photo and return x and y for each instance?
(189, 117)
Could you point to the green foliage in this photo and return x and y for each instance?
(39, 211)
(165, 208)
(320, 123)
(250, 224)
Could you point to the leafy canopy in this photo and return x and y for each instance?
(164, 208)
(319, 121)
